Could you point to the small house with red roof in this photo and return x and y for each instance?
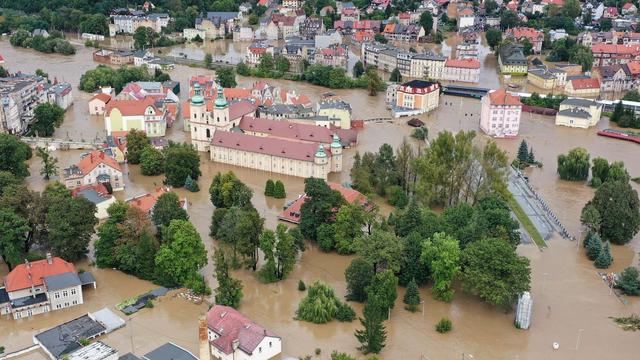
(93, 168)
(500, 114)
(583, 87)
(521, 33)
(418, 95)
(147, 201)
(232, 335)
(98, 103)
(41, 286)
(629, 9)
(98, 195)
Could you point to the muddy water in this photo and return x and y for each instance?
(568, 296)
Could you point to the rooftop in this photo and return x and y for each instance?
(501, 97)
(231, 325)
(63, 339)
(33, 273)
(169, 351)
(292, 212)
(62, 281)
(95, 351)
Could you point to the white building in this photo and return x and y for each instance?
(95, 351)
(190, 33)
(500, 114)
(233, 336)
(95, 167)
(61, 95)
(581, 113)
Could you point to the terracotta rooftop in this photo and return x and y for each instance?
(102, 97)
(501, 97)
(463, 63)
(292, 212)
(30, 274)
(147, 201)
(95, 158)
(286, 148)
(581, 84)
(230, 325)
(132, 107)
(526, 32)
(615, 49)
(288, 130)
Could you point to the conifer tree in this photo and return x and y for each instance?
(523, 152)
(593, 245)
(191, 184)
(604, 259)
(268, 188)
(278, 190)
(373, 335)
(531, 158)
(412, 296)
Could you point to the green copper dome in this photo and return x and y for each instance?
(320, 153)
(336, 142)
(221, 102)
(197, 99)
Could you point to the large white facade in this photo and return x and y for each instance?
(500, 114)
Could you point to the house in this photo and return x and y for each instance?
(580, 113)
(94, 168)
(327, 39)
(190, 34)
(168, 351)
(232, 335)
(129, 23)
(120, 57)
(589, 87)
(349, 12)
(500, 114)
(418, 95)
(547, 79)
(558, 34)
(335, 108)
(147, 201)
(145, 114)
(464, 70)
(60, 94)
(399, 32)
(595, 7)
(519, 34)
(243, 33)
(466, 18)
(291, 212)
(41, 286)
(116, 145)
(615, 78)
(218, 24)
(629, 9)
(512, 61)
(610, 12)
(98, 103)
(611, 54)
(312, 27)
(334, 55)
(255, 52)
(98, 195)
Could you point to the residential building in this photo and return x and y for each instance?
(615, 78)
(580, 113)
(595, 7)
(146, 202)
(41, 286)
(629, 9)
(218, 24)
(334, 55)
(500, 114)
(426, 66)
(255, 52)
(60, 94)
(512, 61)
(312, 27)
(519, 34)
(19, 96)
(468, 48)
(335, 108)
(292, 4)
(583, 87)
(418, 95)
(127, 24)
(98, 103)
(463, 70)
(556, 35)
(327, 39)
(399, 32)
(613, 54)
(145, 114)
(547, 79)
(190, 34)
(98, 195)
(291, 212)
(349, 12)
(94, 168)
(121, 57)
(232, 335)
(351, 27)
(466, 18)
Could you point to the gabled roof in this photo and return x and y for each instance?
(62, 281)
(231, 325)
(95, 158)
(463, 63)
(105, 98)
(30, 274)
(169, 351)
(501, 97)
(133, 107)
(292, 212)
(581, 84)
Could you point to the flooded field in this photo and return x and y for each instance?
(568, 296)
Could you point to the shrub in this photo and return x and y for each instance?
(345, 313)
(318, 351)
(444, 325)
(149, 304)
(629, 281)
(301, 286)
(268, 188)
(320, 305)
(278, 190)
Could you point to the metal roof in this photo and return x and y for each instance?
(64, 338)
(61, 281)
(86, 278)
(169, 351)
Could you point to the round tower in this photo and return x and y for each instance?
(336, 154)
(221, 111)
(321, 162)
(197, 121)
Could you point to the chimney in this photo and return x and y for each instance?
(26, 263)
(49, 259)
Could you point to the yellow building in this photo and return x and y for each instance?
(541, 78)
(418, 95)
(427, 66)
(589, 87)
(512, 61)
(335, 108)
(581, 113)
(126, 115)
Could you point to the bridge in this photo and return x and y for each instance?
(62, 144)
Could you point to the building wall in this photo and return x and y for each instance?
(426, 102)
(203, 125)
(343, 114)
(461, 74)
(26, 292)
(190, 33)
(117, 181)
(499, 121)
(581, 92)
(28, 312)
(65, 298)
(96, 107)
(541, 82)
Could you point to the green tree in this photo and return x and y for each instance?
(604, 259)
(629, 281)
(208, 60)
(508, 19)
(181, 160)
(374, 82)
(191, 185)
(590, 218)
(572, 9)
(229, 291)
(382, 292)
(426, 21)
(109, 233)
(143, 37)
(619, 209)
(599, 170)
(49, 163)
(341, 356)
(268, 188)
(523, 152)
(494, 38)
(444, 325)
(326, 237)
(151, 161)
(359, 275)
(441, 253)
(7, 179)
(348, 226)
(137, 141)
(493, 270)
(243, 69)
(281, 63)
(319, 306)
(70, 224)
(395, 74)
(166, 209)
(226, 77)
(358, 69)
(632, 95)
(490, 6)
(593, 244)
(583, 56)
(13, 230)
(280, 253)
(318, 208)
(227, 190)
(373, 335)
(574, 166)
(412, 267)
(278, 190)
(241, 228)
(381, 249)
(48, 118)
(412, 296)
(182, 255)
(266, 63)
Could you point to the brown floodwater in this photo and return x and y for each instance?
(568, 296)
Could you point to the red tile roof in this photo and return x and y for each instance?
(239, 109)
(24, 276)
(147, 201)
(525, 32)
(292, 213)
(615, 49)
(230, 325)
(95, 158)
(98, 187)
(105, 98)
(132, 107)
(627, 6)
(634, 67)
(287, 130)
(463, 63)
(501, 97)
(286, 148)
(581, 84)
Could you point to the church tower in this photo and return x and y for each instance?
(201, 131)
(321, 164)
(336, 154)
(220, 115)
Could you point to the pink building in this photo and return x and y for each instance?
(500, 116)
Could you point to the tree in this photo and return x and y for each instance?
(381, 249)
(227, 190)
(426, 21)
(266, 63)
(380, 38)
(593, 244)
(574, 166)
(358, 69)
(604, 259)
(395, 74)
(527, 47)
(137, 141)
(268, 188)
(444, 325)
(253, 19)
(13, 229)
(181, 160)
(243, 69)
(281, 63)
(494, 38)
(319, 306)
(629, 281)
(412, 267)
(181, 255)
(590, 218)
(374, 83)
(318, 208)
(348, 226)
(70, 224)
(359, 276)
(7, 179)
(280, 253)
(166, 209)
(572, 9)
(493, 271)
(48, 118)
(523, 152)
(599, 170)
(229, 291)
(49, 163)
(208, 60)
(382, 292)
(441, 253)
(191, 185)
(373, 335)
(581, 55)
(412, 296)
(632, 95)
(278, 190)
(619, 208)
(241, 228)
(143, 37)
(490, 6)
(226, 77)
(508, 19)
(151, 161)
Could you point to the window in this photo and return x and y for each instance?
(270, 344)
(73, 291)
(260, 349)
(56, 295)
(65, 293)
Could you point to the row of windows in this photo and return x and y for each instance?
(66, 304)
(64, 293)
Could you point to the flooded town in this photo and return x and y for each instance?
(189, 180)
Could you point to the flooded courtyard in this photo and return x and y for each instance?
(568, 295)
